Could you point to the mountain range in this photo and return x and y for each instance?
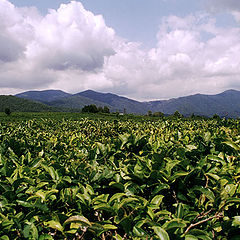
(225, 104)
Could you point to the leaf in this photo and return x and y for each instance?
(35, 163)
(190, 237)
(236, 221)
(100, 199)
(191, 147)
(119, 186)
(216, 159)
(178, 174)
(55, 225)
(52, 172)
(207, 137)
(175, 223)
(25, 204)
(139, 232)
(116, 196)
(41, 194)
(46, 237)
(103, 206)
(206, 191)
(150, 213)
(200, 234)
(160, 187)
(5, 237)
(127, 200)
(233, 200)
(161, 233)
(50, 192)
(232, 145)
(34, 231)
(109, 227)
(180, 210)
(214, 176)
(157, 200)
(79, 219)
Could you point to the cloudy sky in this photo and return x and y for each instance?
(142, 49)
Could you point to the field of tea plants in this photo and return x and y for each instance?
(119, 179)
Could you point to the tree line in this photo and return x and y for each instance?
(94, 109)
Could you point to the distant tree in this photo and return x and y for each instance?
(215, 116)
(177, 114)
(7, 111)
(158, 114)
(149, 113)
(90, 109)
(85, 109)
(106, 109)
(93, 108)
(100, 109)
(193, 116)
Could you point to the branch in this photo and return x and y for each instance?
(217, 216)
(207, 180)
(175, 196)
(202, 215)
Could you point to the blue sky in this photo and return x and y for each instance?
(143, 49)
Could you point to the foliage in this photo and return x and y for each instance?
(7, 111)
(22, 105)
(177, 114)
(149, 113)
(94, 109)
(158, 114)
(105, 179)
(106, 109)
(90, 108)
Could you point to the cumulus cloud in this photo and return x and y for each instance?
(74, 37)
(34, 48)
(192, 55)
(72, 49)
(229, 6)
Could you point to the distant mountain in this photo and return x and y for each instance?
(226, 104)
(22, 105)
(76, 102)
(44, 96)
(116, 102)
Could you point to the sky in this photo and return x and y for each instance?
(141, 49)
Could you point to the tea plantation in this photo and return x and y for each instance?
(119, 179)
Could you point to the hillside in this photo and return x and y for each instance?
(226, 104)
(116, 102)
(76, 102)
(22, 105)
(44, 96)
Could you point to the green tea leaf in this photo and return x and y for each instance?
(78, 219)
(161, 233)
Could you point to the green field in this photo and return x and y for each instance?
(76, 176)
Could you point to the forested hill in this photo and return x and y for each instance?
(225, 104)
(22, 105)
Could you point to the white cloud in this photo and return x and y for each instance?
(72, 49)
(192, 55)
(227, 6)
(71, 37)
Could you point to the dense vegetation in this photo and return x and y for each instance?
(94, 109)
(22, 105)
(86, 178)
